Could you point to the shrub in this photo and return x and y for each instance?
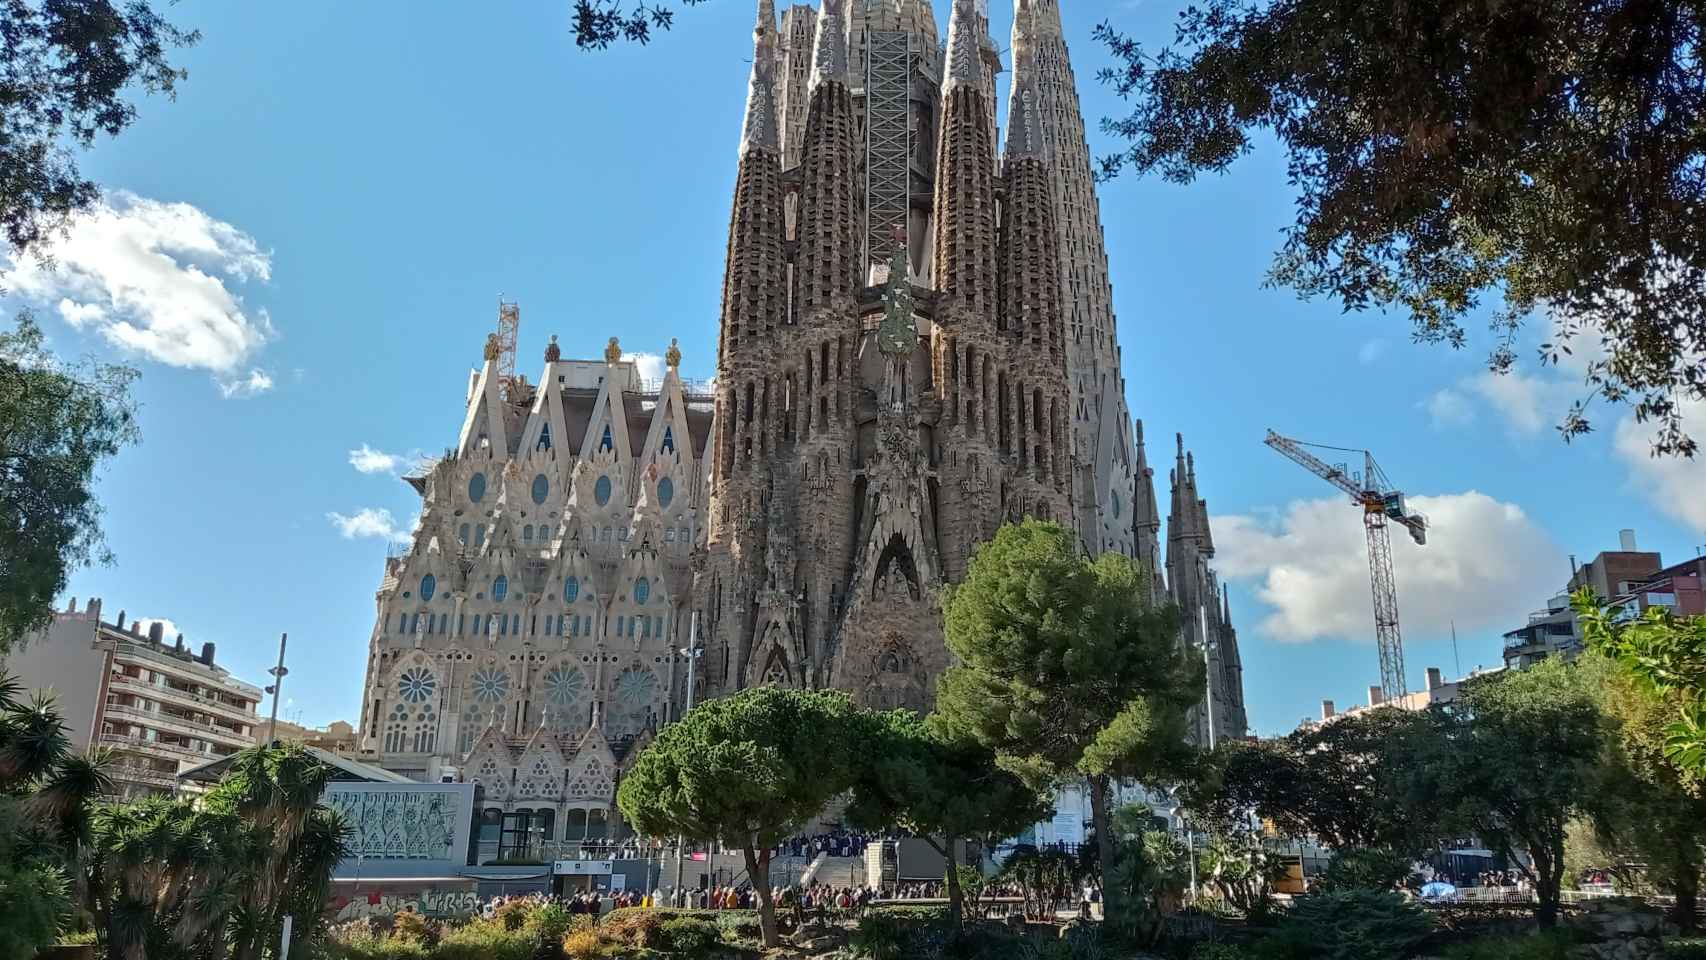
(879, 936)
(1364, 870)
(553, 921)
(1690, 949)
(632, 926)
(1350, 925)
(1547, 945)
(688, 936)
(584, 944)
(410, 925)
(740, 926)
(514, 913)
(1218, 951)
(484, 940)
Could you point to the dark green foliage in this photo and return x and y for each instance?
(688, 936)
(57, 427)
(64, 70)
(1692, 949)
(740, 926)
(38, 901)
(880, 937)
(748, 770)
(1544, 154)
(1545, 945)
(1351, 925)
(1365, 870)
(1066, 671)
(1666, 657)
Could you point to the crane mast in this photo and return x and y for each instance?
(1380, 503)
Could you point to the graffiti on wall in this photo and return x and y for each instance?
(430, 903)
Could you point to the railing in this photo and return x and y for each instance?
(154, 689)
(131, 772)
(133, 647)
(125, 740)
(181, 724)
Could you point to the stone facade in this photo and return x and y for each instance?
(873, 419)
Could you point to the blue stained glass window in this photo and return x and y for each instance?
(477, 487)
(601, 490)
(668, 440)
(666, 491)
(541, 488)
(500, 588)
(544, 438)
(642, 590)
(571, 589)
(527, 532)
(429, 584)
(606, 442)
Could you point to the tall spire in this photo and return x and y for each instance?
(759, 130)
(1024, 126)
(829, 53)
(1030, 305)
(1182, 517)
(965, 253)
(1145, 514)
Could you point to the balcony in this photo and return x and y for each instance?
(125, 741)
(166, 721)
(136, 773)
(168, 692)
(140, 652)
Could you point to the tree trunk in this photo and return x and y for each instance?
(758, 871)
(1686, 913)
(1112, 909)
(1547, 879)
(956, 896)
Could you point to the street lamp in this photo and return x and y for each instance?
(693, 651)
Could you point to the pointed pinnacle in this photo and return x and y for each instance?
(963, 67)
(829, 49)
(1024, 124)
(759, 130)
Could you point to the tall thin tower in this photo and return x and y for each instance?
(1101, 424)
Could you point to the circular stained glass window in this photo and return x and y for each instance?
(416, 684)
(541, 487)
(601, 491)
(500, 588)
(571, 589)
(490, 686)
(636, 691)
(666, 491)
(564, 685)
(429, 584)
(477, 487)
(642, 590)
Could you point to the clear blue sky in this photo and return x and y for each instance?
(396, 167)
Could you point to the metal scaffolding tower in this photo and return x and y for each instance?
(888, 142)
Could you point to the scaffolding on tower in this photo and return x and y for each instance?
(888, 142)
(509, 328)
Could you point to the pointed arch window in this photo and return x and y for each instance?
(642, 590)
(429, 585)
(571, 589)
(544, 438)
(500, 588)
(606, 442)
(668, 440)
(527, 532)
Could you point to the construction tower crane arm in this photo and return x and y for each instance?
(1379, 502)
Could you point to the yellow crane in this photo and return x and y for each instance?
(1379, 502)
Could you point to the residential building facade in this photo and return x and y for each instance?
(156, 705)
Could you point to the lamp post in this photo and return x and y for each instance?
(278, 674)
(692, 652)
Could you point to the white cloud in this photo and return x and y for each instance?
(1674, 485)
(156, 278)
(649, 365)
(1526, 404)
(257, 381)
(369, 522)
(1310, 566)
(365, 459)
(168, 630)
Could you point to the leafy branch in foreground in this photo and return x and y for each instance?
(1543, 156)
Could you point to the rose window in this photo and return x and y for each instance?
(636, 691)
(416, 684)
(490, 686)
(564, 685)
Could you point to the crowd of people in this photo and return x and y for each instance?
(813, 899)
(836, 844)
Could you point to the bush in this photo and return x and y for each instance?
(410, 925)
(1690, 949)
(632, 926)
(1350, 925)
(741, 926)
(1364, 870)
(553, 921)
(38, 900)
(879, 936)
(584, 944)
(1218, 951)
(688, 936)
(358, 940)
(1547, 945)
(484, 940)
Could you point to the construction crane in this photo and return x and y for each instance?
(509, 329)
(1380, 502)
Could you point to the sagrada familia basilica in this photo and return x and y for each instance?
(917, 344)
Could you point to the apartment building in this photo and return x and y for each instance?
(156, 705)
